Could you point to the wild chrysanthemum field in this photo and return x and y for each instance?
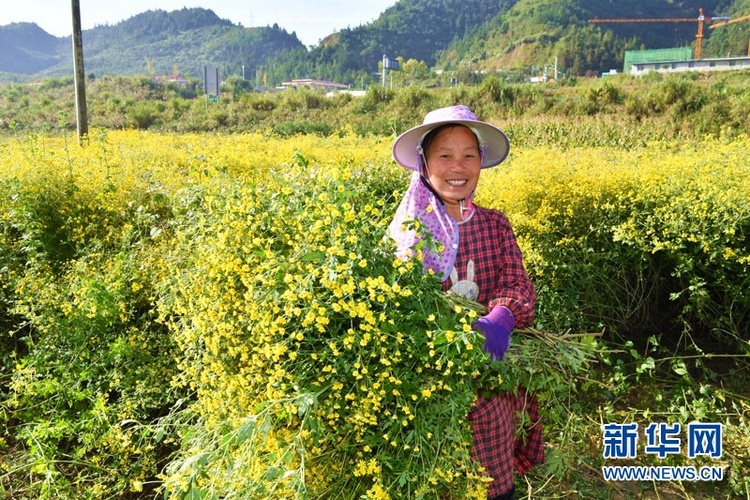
(216, 316)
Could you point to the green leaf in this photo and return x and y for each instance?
(312, 256)
(246, 432)
(304, 404)
(194, 493)
(647, 365)
(679, 368)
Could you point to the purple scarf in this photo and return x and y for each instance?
(422, 204)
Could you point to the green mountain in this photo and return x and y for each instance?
(539, 31)
(453, 35)
(410, 29)
(187, 40)
(153, 42)
(26, 48)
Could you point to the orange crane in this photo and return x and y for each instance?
(701, 19)
(732, 21)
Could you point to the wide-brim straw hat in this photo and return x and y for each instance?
(492, 140)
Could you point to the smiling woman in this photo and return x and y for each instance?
(447, 153)
(453, 166)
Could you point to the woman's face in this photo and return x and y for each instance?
(453, 164)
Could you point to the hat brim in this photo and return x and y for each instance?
(495, 142)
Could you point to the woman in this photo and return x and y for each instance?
(476, 254)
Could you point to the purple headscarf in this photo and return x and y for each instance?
(421, 204)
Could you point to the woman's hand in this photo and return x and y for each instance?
(496, 327)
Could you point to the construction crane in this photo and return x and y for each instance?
(701, 19)
(729, 21)
(732, 21)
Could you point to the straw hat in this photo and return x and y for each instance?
(492, 141)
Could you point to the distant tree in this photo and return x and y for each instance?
(150, 67)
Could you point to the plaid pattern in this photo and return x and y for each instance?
(495, 444)
(488, 240)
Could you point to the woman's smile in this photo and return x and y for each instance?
(453, 163)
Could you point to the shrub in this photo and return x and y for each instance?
(290, 129)
(263, 105)
(415, 98)
(321, 364)
(373, 98)
(617, 236)
(234, 265)
(144, 115)
(96, 361)
(82, 350)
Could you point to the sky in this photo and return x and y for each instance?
(311, 20)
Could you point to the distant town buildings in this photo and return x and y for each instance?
(311, 83)
(718, 64)
(178, 79)
(640, 62)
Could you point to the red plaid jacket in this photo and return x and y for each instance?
(488, 240)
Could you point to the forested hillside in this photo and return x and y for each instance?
(184, 40)
(26, 48)
(470, 36)
(156, 43)
(411, 29)
(537, 31)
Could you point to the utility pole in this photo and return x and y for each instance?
(555, 68)
(79, 77)
(385, 63)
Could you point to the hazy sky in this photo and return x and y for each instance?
(312, 20)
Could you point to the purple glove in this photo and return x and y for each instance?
(496, 327)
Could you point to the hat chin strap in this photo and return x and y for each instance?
(464, 207)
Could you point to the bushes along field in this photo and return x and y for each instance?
(221, 315)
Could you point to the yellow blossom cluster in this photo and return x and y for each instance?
(599, 226)
(245, 285)
(288, 287)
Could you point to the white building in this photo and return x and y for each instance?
(312, 83)
(717, 64)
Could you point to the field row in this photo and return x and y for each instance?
(222, 314)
